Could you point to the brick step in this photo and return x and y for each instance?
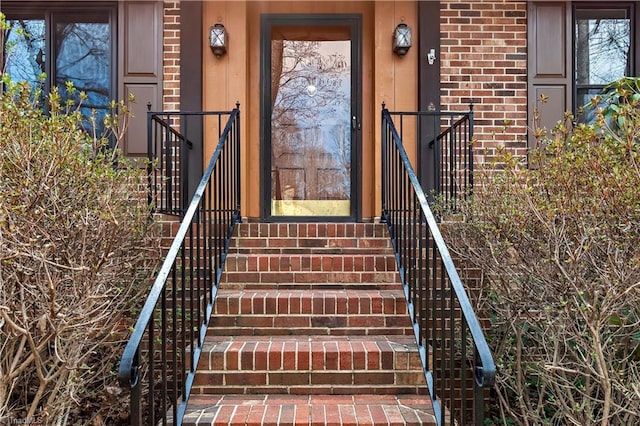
(333, 248)
(310, 263)
(310, 365)
(319, 238)
(291, 271)
(313, 230)
(346, 410)
(310, 245)
(310, 280)
(313, 312)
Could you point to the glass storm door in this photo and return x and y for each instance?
(312, 122)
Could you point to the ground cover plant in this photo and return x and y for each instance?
(557, 238)
(76, 249)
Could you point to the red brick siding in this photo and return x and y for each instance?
(171, 56)
(484, 61)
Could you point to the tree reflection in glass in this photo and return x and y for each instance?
(83, 57)
(310, 127)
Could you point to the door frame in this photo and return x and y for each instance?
(354, 23)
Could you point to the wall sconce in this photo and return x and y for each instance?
(218, 39)
(401, 39)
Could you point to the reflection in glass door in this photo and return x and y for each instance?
(310, 127)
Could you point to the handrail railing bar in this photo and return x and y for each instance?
(437, 278)
(477, 395)
(163, 333)
(486, 376)
(384, 166)
(151, 179)
(470, 149)
(411, 242)
(454, 124)
(452, 162)
(208, 231)
(236, 183)
(452, 329)
(193, 113)
(202, 256)
(167, 126)
(128, 374)
(218, 203)
(152, 370)
(421, 265)
(226, 195)
(168, 170)
(463, 340)
(184, 169)
(164, 340)
(188, 334)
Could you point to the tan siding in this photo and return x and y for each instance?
(236, 76)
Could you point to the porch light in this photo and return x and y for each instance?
(218, 39)
(401, 39)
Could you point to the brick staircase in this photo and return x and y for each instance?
(310, 327)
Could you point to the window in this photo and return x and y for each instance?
(603, 50)
(51, 46)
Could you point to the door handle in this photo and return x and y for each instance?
(355, 124)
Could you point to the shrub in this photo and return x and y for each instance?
(76, 249)
(559, 245)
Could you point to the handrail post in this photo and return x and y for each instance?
(237, 177)
(150, 157)
(384, 163)
(184, 168)
(136, 393)
(470, 149)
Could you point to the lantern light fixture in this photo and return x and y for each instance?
(218, 39)
(401, 39)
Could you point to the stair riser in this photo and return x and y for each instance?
(313, 331)
(256, 325)
(315, 389)
(312, 230)
(292, 280)
(310, 263)
(363, 245)
(312, 303)
(317, 382)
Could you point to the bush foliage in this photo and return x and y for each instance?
(76, 248)
(559, 245)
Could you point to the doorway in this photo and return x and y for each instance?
(310, 117)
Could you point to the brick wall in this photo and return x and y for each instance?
(484, 61)
(171, 56)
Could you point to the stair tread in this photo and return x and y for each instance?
(274, 409)
(404, 340)
(311, 353)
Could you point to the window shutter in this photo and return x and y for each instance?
(139, 67)
(549, 63)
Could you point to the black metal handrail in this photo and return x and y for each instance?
(456, 359)
(444, 141)
(160, 359)
(169, 147)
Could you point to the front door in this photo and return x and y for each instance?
(310, 116)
